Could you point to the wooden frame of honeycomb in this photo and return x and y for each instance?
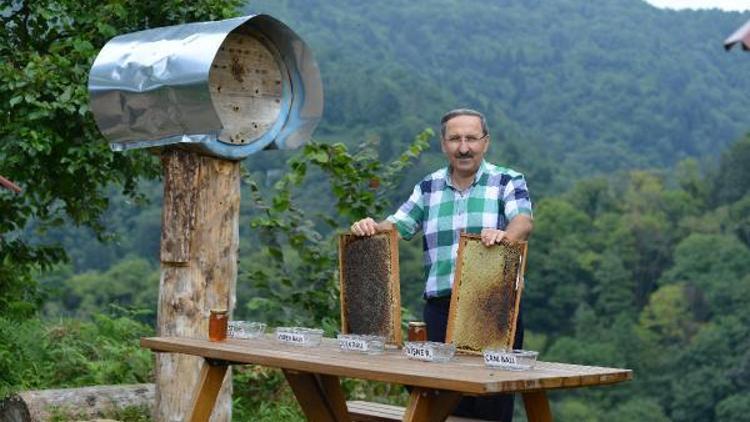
(483, 293)
(369, 285)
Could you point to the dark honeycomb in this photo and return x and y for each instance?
(366, 285)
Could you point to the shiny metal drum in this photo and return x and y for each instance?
(227, 88)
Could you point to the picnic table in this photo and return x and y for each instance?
(313, 374)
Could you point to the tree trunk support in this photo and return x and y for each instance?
(199, 249)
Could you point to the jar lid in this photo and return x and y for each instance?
(417, 324)
(218, 310)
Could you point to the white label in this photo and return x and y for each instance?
(419, 352)
(356, 344)
(291, 337)
(499, 359)
(506, 360)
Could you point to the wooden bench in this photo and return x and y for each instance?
(365, 411)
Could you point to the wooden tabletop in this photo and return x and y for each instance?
(464, 373)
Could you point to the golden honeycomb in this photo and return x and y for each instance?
(484, 311)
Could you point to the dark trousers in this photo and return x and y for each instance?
(495, 408)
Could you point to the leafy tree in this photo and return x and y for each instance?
(640, 409)
(696, 393)
(48, 140)
(576, 410)
(558, 277)
(735, 408)
(717, 274)
(739, 219)
(131, 283)
(614, 288)
(733, 180)
(668, 315)
(691, 181)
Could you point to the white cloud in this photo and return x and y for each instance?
(735, 5)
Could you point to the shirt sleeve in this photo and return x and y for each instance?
(516, 198)
(409, 216)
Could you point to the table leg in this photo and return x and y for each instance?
(427, 405)
(319, 396)
(206, 392)
(537, 406)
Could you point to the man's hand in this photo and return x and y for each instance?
(519, 229)
(492, 236)
(365, 227)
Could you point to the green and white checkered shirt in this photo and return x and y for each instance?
(442, 212)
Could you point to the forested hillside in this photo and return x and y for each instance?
(570, 87)
(629, 122)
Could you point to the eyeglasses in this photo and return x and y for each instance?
(471, 140)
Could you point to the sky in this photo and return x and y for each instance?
(736, 5)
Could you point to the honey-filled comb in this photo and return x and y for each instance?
(486, 294)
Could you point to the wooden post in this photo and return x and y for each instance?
(199, 247)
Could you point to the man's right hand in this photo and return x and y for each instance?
(366, 227)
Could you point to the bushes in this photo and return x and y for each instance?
(35, 354)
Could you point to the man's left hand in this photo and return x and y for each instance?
(492, 236)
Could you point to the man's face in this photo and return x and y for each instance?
(464, 144)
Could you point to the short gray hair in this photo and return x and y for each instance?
(463, 112)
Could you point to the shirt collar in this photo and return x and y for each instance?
(477, 176)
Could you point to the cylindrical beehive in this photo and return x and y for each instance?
(227, 89)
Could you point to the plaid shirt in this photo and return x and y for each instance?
(442, 212)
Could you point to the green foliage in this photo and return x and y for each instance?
(648, 275)
(739, 219)
(640, 409)
(49, 142)
(717, 275)
(575, 410)
(262, 394)
(733, 180)
(668, 315)
(19, 294)
(131, 283)
(735, 408)
(72, 353)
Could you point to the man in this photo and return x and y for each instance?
(469, 195)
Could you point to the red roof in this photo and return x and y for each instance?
(7, 184)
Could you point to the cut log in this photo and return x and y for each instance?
(85, 403)
(199, 248)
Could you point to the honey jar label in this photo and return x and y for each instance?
(423, 352)
(357, 345)
(291, 338)
(499, 359)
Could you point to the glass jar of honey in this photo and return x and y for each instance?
(217, 325)
(417, 331)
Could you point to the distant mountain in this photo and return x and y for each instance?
(570, 87)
